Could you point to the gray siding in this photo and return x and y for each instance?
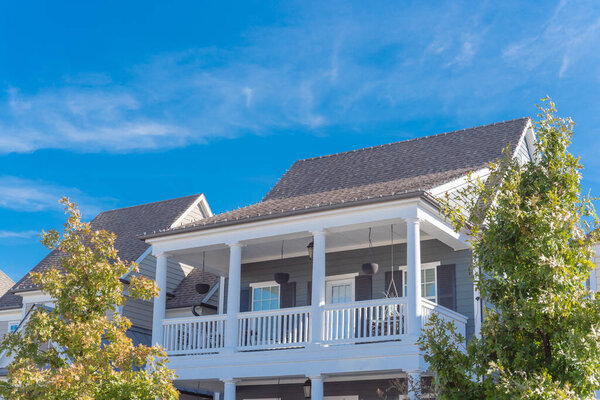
(139, 312)
(3, 328)
(300, 270)
(195, 214)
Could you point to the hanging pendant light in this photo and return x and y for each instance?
(281, 277)
(370, 268)
(203, 288)
(307, 389)
(311, 249)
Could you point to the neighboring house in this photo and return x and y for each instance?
(332, 326)
(5, 283)
(127, 223)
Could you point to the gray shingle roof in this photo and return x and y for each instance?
(127, 223)
(185, 295)
(380, 173)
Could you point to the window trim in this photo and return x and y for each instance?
(11, 323)
(258, 285)
(331, 279)
(424, 266)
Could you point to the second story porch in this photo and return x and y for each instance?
(326, 303)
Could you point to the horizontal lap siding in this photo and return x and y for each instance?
(139, 312)
(193, 215)
(3, 328)
(344, 262)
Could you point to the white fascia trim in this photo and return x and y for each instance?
(138, 261)
(35, 296)
(522, 138)
(330, 220)
(438, 190)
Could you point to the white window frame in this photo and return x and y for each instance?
(13, 323)
(258, 285)
(430, 265)
(342, 278)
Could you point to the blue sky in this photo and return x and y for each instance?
(121, 103)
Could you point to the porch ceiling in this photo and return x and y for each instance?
(217, 258)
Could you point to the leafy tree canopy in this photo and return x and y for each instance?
(532, 256)
(77, 349)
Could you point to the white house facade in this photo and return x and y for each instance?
(326, 284)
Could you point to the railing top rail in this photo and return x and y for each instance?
(279, 311)
(368, 303)
(443, 310)
(203, 318)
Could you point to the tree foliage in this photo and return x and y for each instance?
(78, 349)
(532, 257)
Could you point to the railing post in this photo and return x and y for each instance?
(233, 297)
(413, 269)
(160, 302)
(318, 288)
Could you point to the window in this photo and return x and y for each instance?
(13, 325)
(265, 296)
(428, 281)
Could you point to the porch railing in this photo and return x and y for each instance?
(198, 335)
(429, 307)
(365, 321)
(274, 329)
(351, 323)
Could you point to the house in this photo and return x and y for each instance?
(126, 223)
(5, 283)
(301, 304)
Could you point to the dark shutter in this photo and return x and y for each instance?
(446, 286)
(389, 288)
(363, 287)
(287, 295)
(245, 299)
(308, 293)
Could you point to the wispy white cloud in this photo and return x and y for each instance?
(19, 234)
(328, 66)
(569, 34)
(25, 195)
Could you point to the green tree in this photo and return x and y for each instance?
(532, 257)
(78, 349)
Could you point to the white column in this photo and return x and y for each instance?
(221, 306)
(316, 390)
(318, 287)
(413, 269)
(233, 297)
(160, 302)
(217, 396)
(229, 392)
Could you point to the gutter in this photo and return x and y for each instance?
(424, 195)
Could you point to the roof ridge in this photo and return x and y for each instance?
(409, 140)
(152, 202)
